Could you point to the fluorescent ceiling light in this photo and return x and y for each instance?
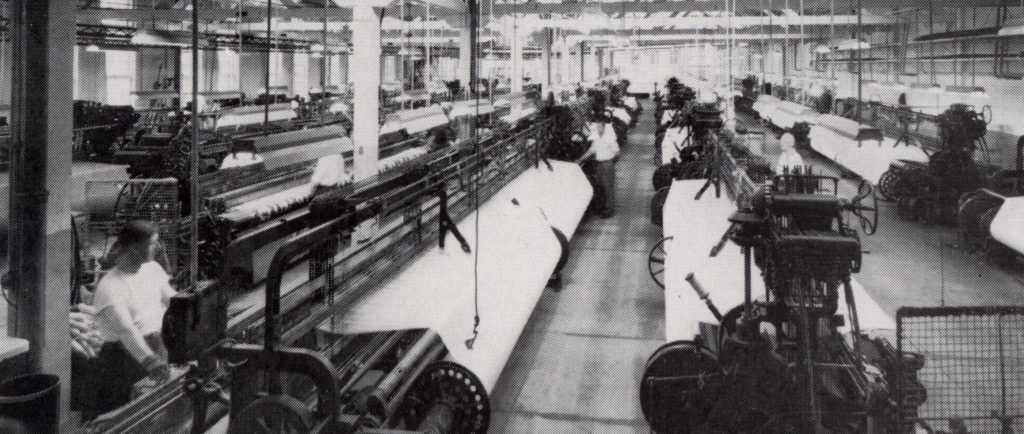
(930, 88)
(972, 91)
(852, 44)
(351, 3)
(822, 49)
(157, 38)
(1013, 27)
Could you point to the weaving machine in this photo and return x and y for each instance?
(357, 376)
(270, 197)
(790, 360)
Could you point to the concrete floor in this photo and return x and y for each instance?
(576, 368)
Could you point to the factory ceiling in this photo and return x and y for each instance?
(653, 21)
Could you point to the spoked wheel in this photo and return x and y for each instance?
(656, 262)
(676, 389)
(274, 414)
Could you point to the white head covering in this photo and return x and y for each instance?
(787, 142)
(790, 157)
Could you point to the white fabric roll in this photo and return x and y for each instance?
(517, 253)
(1008, 225)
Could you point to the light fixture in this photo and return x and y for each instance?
(93, 48)
(972, 91)
(930, 88)
(157, 38)
(853, 44)
(822, 49)
(1013, 27)
(316, 48)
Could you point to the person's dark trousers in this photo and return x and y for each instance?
(597, 201)
(110, 384)
(605, 173)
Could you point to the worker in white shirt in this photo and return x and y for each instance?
(604, 147)
(243, 153)
(789, 158)
(129, 304)
(331, 170)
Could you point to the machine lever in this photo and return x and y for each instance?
(725, 239)
(692, 280)
(448, 225)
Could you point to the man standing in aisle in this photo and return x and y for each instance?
(604, 147)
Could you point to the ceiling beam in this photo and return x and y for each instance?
(503, 7)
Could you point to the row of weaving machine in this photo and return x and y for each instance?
(354, 383)
(806, 348)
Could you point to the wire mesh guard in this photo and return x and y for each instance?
(973, 369)
(112, 204)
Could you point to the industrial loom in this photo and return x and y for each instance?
(356, 336)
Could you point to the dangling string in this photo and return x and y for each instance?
(476, 191)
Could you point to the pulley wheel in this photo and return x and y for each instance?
(889, 184)
(273, 414)
(968, 216)
(684, 405)
(563, 241)
(658, 205)
(656, 262)
(662, 176)
(452, 385)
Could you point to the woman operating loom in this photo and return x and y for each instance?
(129, 304)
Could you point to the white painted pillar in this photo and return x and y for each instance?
(517, 65)
(564, 76)
(366, 105)
(465, 52)
(547, 75)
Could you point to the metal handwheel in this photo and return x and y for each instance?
(656, 262)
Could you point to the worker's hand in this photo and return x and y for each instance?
(85, 337)
(158, 369)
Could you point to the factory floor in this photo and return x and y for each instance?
(912, 263)
(577, 365)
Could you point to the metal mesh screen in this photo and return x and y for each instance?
(973, 369)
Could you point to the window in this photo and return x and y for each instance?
(120, 77)
(227, 70)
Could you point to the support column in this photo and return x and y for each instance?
(545, 45)
(366, 102)
(517, 67)
(583, 61)
(563, 60)
(43, 35)
(517, 60)
(465, 55)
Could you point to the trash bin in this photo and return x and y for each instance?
(33, 400)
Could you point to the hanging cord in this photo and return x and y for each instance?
(476, 188)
